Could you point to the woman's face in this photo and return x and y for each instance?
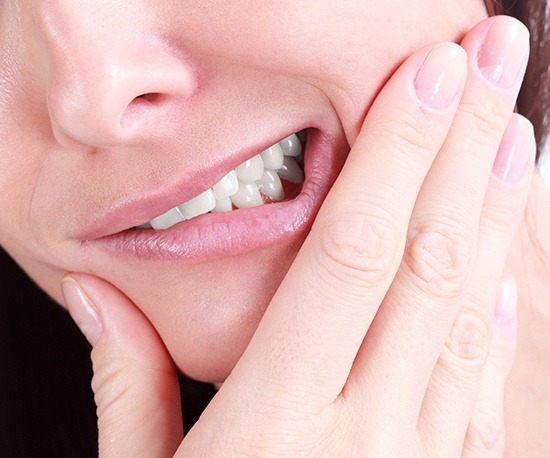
(113, 113)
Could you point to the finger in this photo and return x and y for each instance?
(312, 330)
(135, 382)
(462, 359)
(422, 304)
(463, 368)
(485, 435)
(502, 211)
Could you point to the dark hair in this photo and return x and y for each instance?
(534, 98)
(46, 404)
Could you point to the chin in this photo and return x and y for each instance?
(207, 323)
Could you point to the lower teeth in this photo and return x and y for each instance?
(245, 186)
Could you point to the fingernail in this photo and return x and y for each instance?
(514, 151)
(81, 310)
(439, 79)
(503, 54)
(505, 310)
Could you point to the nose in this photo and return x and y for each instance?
(105, 87)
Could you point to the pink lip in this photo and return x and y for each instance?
(137, 210)
(216, 235)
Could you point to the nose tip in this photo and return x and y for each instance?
(106, 100)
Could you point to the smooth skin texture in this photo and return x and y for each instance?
(54, 170)
(54, 155)
(406, 270)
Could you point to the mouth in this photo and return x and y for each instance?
(275, 173)
(270, 198)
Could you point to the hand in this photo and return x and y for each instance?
(376, 342)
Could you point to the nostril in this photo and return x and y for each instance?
(139, 108)
(151, 97)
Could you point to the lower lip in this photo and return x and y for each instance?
(216, 235)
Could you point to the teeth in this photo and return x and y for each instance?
(270, 186)
(247, 196)
(226, 187)
(244, 186)
(273, 157)
(199, 205)
(291, 171)
(223, 205)
(251, 170)
(168, 219)
(291, 146)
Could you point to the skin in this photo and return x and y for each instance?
(39, 231)
(351, 277)
(49, 66)
(527, 395)
(437, 397)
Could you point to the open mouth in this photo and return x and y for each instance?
(275, 173)
(253, 206)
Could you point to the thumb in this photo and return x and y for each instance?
(135, 382)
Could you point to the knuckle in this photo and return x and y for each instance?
(411, 135)
(485, 434)
(500, 216)
(502, 353)
(278, 435)
(359, 248)
(111, 382)
(438, 259)
(485, 117)
(469, 340)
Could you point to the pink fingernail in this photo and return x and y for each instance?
(505, 316)
(503, 55)
(515, 151)
(81, 310)
(439, 79)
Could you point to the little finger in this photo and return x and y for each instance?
(485, 436)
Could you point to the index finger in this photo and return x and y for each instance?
(314, 326)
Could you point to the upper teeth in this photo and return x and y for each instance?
(244, 185)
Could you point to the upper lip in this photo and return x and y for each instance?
(134, 210)
(151, 194)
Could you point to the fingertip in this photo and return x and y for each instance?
(441, 76)
(117, 320)
(82, 310)
(505, 315)
(504, 52)
(135, 381)
(516, 153)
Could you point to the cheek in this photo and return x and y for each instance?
(357, 64)
(24, 130)
(347, 49)
(21, 159)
